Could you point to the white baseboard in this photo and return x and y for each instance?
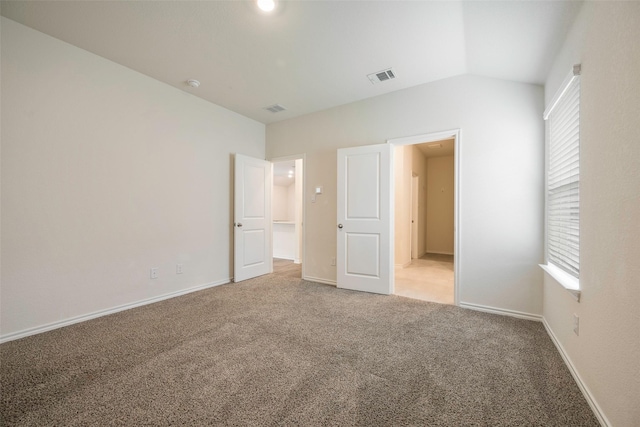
(83, 318)
(319, 280)
(405, 265)
(576, 376)
(501, 311)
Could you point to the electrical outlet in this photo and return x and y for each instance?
(178, 268)
(576, 324)
(154, 272)
(333, 261)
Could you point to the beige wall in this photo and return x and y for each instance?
(280, 203)
(283, 202)
(606, 353)
(440, 199)
(502, 147)
(291, 202)
(419, 167)
(105, 174)
(403, 158)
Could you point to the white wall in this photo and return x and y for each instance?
(440, 204)
(280, 203)
(291, 202)
(606, 354)
(502, 163)
(105, 174)
(283, 202)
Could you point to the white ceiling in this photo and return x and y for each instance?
(446, 148)
(308, 55)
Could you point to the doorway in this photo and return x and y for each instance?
(425, 208)
(287, 213)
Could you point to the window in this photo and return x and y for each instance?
(563, 180)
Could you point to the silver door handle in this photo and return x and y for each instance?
(340, 225)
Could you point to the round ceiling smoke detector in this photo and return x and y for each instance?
(193, 83)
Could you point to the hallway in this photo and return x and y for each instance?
(287, 268)
(429, 278)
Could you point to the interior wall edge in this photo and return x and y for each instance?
(101, 313)
(589, 397)
(501, 311)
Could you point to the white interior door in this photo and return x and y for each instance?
(364, 256)
(415, 185)
(252, 218)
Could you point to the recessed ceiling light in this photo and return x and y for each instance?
(266, 5)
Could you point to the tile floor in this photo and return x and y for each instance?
(429, 278)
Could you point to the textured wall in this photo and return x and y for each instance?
(605, 354)
(440, 203)
(502, 168)
(105, 174)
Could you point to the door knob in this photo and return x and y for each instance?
(239, 224)
(340, 225)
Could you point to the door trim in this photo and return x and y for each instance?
(431, 137)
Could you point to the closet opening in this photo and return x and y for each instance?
(287, 216)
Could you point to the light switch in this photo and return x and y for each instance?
(318, 189)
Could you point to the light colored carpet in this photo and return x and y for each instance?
(279, 351)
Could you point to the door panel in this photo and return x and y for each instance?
(254, 241)
(363, 186)
(252, 224)
(363, 254)
(364, 258)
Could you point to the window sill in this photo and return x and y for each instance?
(567, 281)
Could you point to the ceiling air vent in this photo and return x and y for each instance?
(382, 76)
(275, 108)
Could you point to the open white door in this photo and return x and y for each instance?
(415, 186)
(252, 218)
(364, 256)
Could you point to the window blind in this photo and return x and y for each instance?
(563, 181)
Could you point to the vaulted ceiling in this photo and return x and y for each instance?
(308, 55)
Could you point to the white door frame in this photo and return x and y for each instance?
(302, 157)
(431, 137)
(415, 215)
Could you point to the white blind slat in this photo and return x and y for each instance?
(563, 181)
